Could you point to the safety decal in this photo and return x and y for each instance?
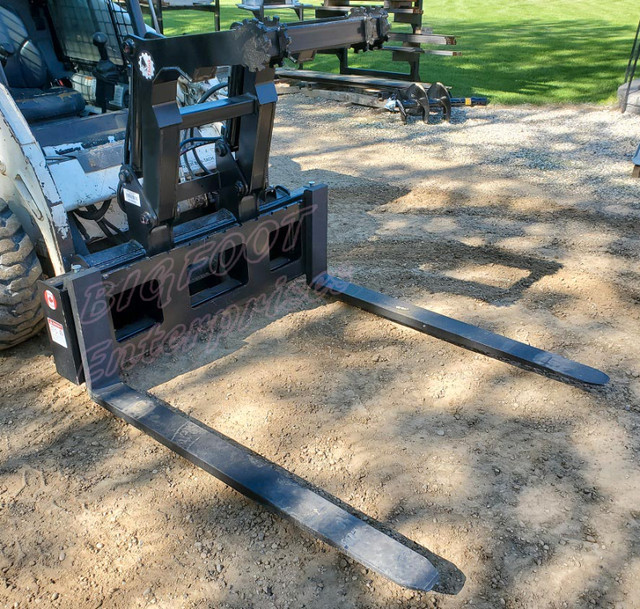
(57, 332)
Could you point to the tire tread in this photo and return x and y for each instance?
(20, 311)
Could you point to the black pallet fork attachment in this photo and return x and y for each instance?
(239, 467)
(246, 238)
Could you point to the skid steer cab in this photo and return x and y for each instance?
(136, 208)
(64, 94)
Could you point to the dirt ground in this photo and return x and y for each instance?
(524, 490)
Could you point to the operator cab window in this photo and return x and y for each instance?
(76, 23)
(62, 59)
(35, 77)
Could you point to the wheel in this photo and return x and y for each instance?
(20, 312)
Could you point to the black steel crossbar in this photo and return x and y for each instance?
(217, 111)
(253, 44)
(458, 332)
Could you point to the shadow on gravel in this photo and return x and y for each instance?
(490, 481)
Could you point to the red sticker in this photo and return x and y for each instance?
(50, 299)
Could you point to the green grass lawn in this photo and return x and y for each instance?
(516, 51)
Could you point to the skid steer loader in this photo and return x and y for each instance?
(136, 209)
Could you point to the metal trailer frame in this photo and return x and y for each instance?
(175, 275)
(393, 90)
(407, 46)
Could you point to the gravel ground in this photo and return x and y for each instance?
(525, 491)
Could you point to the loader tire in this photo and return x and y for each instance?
(20, 312)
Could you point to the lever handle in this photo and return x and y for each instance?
(100, 41)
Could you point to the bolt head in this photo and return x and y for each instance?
(128, 47)
(221, 148)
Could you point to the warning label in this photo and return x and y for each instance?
(57, 332)
(131, 197)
